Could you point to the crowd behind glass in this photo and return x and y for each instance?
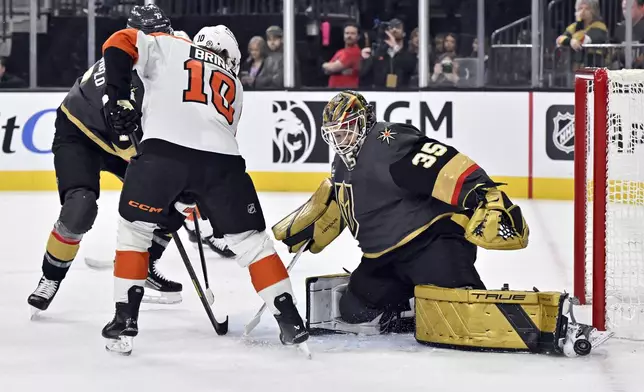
(384, 55)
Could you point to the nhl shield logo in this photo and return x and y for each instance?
(563, 134)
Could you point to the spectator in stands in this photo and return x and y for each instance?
(390, 65)
(260, 70)
(413, 49)
(637, 15)
(475, 49)
(7, 80)
(274, 40)
(344, 67)
(446, 69)
(438, 49)
(588, 29)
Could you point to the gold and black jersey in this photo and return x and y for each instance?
(83, 106)
(402, 183)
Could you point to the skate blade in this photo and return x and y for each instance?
(599, 338)
(122, 346)
(304, 349)
(163, 299)
(35, 312)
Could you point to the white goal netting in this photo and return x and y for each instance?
(624, 208)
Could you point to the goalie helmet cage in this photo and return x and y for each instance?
(609, 198)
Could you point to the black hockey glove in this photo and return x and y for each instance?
(123, 117)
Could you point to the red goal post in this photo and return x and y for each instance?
(609, 198)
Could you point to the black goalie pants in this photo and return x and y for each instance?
(440, 256)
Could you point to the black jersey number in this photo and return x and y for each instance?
(429, 154)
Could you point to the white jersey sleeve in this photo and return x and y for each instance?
(191, 98)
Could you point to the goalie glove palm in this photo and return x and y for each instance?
(497, 223)
(123, 117)
(318, 220)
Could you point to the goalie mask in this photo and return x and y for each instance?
(346, 120)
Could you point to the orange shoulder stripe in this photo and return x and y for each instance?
(170, 35)
(125, 40)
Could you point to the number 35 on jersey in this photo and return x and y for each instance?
(210, 82)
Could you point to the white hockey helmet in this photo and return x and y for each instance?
(182, 34)
(222, 41)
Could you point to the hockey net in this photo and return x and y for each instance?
(609, 198)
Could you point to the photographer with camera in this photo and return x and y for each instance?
(387, 63)
(445, 69)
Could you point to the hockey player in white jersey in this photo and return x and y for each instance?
(191, 109)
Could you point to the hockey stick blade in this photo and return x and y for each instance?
(220, 328)
(210, 297)
(99, 265)
(258, 316)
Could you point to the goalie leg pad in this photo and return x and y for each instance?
(324, 295)
(490, 320)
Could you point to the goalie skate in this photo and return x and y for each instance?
(580, 339)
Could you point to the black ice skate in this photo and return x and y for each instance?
(169, 292)
(43, 295)
(218, 245)
(120, 332)
(292, 328)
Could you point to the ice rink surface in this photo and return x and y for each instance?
(177, 349)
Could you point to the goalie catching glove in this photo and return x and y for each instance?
(496, 222)
(317, 220)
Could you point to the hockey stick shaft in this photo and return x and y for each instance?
(202, 258)
(258, 316)
(210, 297)
(220, 328)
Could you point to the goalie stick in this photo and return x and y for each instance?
(258, 316)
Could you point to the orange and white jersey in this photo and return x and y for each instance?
(191, 98)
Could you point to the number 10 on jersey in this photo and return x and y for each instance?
(222, 88)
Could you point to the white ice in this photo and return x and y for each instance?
(177, 349)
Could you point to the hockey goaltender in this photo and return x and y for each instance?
(419, 209)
